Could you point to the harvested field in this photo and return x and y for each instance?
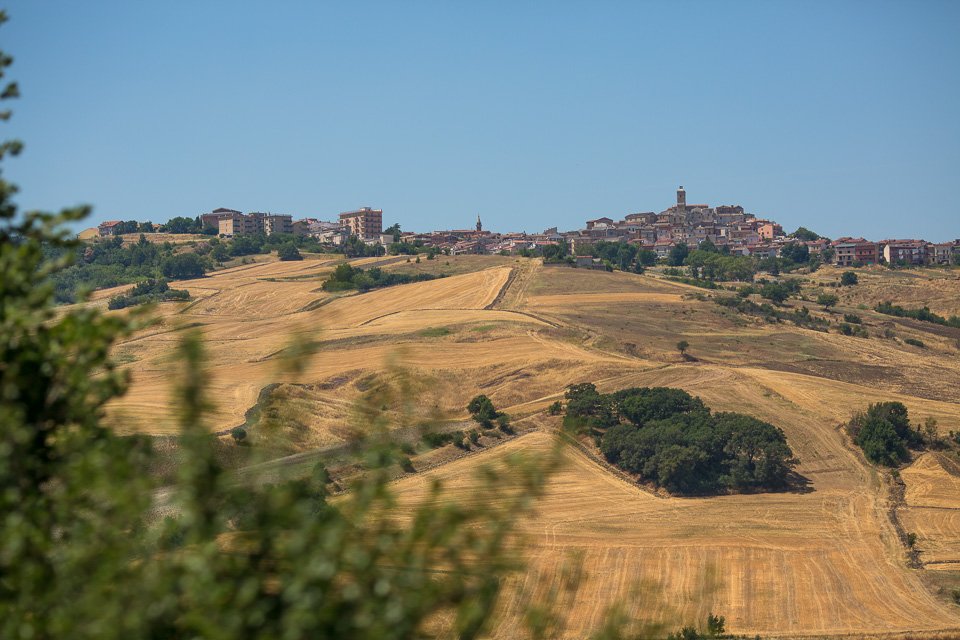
(823, 559)
(932, 511)
(776, 564)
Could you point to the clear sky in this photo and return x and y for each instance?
(838, 116)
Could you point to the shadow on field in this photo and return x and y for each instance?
(797, 483)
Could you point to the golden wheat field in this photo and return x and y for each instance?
(826, 559)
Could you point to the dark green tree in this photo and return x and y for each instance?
(775, 292)
(848, 278)
(802, 233)
(288, 251)
(797, 252)
(678, 253)
(183, 266)
(394, 230)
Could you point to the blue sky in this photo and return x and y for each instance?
(838, 116)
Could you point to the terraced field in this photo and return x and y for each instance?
(826, 559)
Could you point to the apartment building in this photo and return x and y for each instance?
(277, 224)
(911, 251)
(214, 217)
(236, 223)
(867, 252)
(769, 230)
(363, 223)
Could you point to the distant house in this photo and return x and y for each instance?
(88, 234)
(107, 229)
(769, 230)
(818, 246)
(867, 252)
(845, 253)
(911, 251)
(599, 222)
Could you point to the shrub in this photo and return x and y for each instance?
(555, 408)
(435, 440)
(238, 434)
(848, 278)
(915, 342)
(406, 464)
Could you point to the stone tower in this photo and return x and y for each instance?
(681, 199)
(479, 226)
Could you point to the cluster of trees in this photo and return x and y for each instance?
(397, 247)
(260, 243)
(132, 226)
(883, 432)
(708, 263)
(148, 291)
(110, 263)
(923, 314)
(182, 224)
(800, 317)
(483, 411)
(672, 439)
(620, 255)
(346, 277)
(802, 233)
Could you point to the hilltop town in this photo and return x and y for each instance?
(729, 228)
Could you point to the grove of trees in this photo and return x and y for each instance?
(346, 277)
(673, 440)
(883, 432)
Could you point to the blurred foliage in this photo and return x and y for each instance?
(92, 546)
(85, 551)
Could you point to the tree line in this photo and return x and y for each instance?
(924, 314)
(346, 277)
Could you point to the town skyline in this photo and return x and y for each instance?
(387, 220)
(832, 116)
(725, 228)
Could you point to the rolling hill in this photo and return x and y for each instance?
(825, 559)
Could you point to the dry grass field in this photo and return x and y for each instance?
(822, 560)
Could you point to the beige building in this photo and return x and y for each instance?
(88, 234)
(364, 222)
(238, 224)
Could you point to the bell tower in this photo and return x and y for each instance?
(681, 199)
(479, 226)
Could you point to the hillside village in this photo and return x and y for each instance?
(731, 230)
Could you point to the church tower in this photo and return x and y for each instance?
(479, 226)
(681, 199)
